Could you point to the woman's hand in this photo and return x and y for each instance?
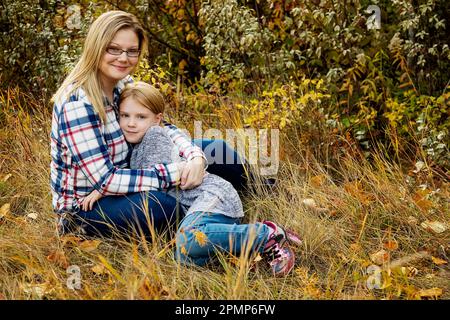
(88, 202)
(193, 173)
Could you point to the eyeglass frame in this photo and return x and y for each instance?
(122, 51)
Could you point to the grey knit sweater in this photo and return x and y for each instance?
(214, 195)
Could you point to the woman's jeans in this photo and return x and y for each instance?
(202, 235)
(144, 212)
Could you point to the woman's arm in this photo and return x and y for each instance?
(81, 131)
(193, 173)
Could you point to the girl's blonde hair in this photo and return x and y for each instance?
(145, 94)
(85, 73)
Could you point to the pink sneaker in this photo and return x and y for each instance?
(281, 258)
(289, 235)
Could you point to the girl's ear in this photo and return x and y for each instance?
(159, 117)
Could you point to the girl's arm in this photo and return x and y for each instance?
(81, 132)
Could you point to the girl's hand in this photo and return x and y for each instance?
(193, 173)
(88, 202)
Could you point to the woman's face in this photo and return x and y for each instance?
(116, 67)
(135, 119)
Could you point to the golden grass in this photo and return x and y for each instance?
(359, 208)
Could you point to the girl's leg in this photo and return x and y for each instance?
(224, 161)
(201, 235)
(134, 213)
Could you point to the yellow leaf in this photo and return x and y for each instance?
(420, 200)
(70, 239)
(99, 269)
(182, 64)
(111, 269)
(200, 238)
(318, 181)
(89, 245)
(257, 258)
(356, 191)
(438, 261)
(429, 293)
(5, 210)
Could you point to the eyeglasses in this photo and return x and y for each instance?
(132, 53)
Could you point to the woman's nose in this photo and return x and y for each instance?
(123, 57)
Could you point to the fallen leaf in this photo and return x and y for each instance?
(89, 245)
(70, 239)
(310, 203)
(5, 210)
(438, 261)
(318, 181)
(421, 201)
(380, 257)
(200, 237)
(39, 290)
(409, 259)
(412, 220)
(59, 258)
(99, 269)
(435, 226)
(356, 191)
(391, 245)
(429, 293)
(419, 166)
(409, 271)
(32, 215)
(257, 258)
(343, 257)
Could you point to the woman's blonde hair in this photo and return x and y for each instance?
(145, 94)
(85, 73)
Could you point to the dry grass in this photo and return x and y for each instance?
(359, 208)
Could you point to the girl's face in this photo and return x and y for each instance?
(135, 119)
(116, 67)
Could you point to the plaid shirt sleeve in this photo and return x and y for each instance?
(81, 130)
(187, 148)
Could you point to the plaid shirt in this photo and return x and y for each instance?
(87, 154)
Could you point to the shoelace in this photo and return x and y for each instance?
(281, 254)
(273, 250)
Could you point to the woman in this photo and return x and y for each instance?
(89, 150)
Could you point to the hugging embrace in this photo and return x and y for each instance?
(118, 167)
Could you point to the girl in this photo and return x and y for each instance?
(89, 151)
(213, 208)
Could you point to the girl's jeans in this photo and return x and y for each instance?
(137, 212)
(202, 235)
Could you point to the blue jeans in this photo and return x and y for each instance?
(224, 162)
(202, 235)
(125, 213)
